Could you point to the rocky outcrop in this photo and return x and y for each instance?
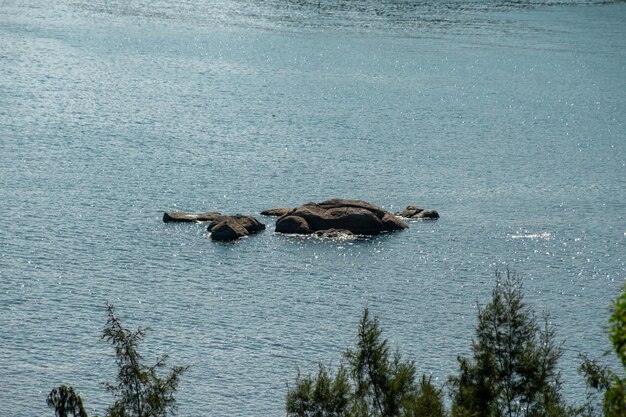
(355, 216)
(275, 212)
(229, 228)
(185, 217)
(413, 212)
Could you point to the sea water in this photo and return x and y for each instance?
(507, 117)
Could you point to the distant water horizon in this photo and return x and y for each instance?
(507, 117)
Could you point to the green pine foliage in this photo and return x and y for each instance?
(372, 383)
(139, 391)
(512, 371)
(320, 396)
(603, 380)
(427, 403)
(66, 402)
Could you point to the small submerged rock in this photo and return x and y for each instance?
(431, 214)
(186, 217)
(334, 234)
(275, 212)
(414, 212)
(409, 211)
(229, 228)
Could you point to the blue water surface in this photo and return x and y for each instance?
(507, 117)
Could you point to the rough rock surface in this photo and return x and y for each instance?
(428, 214)
(293, 224)
(185, 217)
(409, 211)
(229, 228)
(227, 231)
(334, 234)
(413, 212)
(356, 216)
(281, 211)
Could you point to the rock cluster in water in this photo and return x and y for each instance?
(336, 218)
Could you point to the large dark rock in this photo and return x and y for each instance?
(293, 224)
(229, 228)
(355, 216)
(185, 217)
(276, 212)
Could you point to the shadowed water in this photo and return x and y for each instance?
(507, 117)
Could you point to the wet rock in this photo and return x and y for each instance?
(293, 224)
(186, 217)
(413, 212)
(429, 214)
(356, 216)
(229, 228)
(392, 223)
(276, 212)
(334, 234)
(409, 211)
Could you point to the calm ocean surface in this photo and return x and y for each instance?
(507, 117)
